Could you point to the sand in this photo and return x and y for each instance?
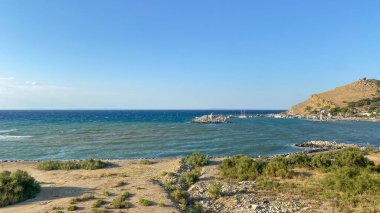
(59, 187)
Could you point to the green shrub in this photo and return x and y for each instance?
(190, 177)
(215, 190)
(107, 193)
(145, 202)
(88, 164)
(241, 167)
(299, 160)
(120, 203)
(170, 187)
(120, 183)
(146, 162)
(277, 167)
(59, 211)
(98, 203)
(95, 210)
(350, 157)
(376, 168)
(16, 187)
(82, 198)
(125, 195)
(196, 159)
(72, 208)
(180, 196)
(353, 181)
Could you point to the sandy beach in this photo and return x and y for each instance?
(60, 186)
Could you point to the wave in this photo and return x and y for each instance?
(7, 130)
(14, 137)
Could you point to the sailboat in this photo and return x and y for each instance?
(242, 115)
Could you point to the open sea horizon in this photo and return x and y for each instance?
(126, 134)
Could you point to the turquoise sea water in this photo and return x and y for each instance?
(33, 135)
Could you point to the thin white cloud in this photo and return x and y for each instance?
(33, 83)
(16, 94)
(6, 78)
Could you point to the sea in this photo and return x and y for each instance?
(128, 134)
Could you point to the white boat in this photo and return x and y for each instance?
(242, 115)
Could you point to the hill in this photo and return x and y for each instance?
(362, 96)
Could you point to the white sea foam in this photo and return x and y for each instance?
(7, 130)
(14, 137)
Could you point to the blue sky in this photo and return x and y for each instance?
(165, 54)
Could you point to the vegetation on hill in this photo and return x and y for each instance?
(16, 187)
(88, 164)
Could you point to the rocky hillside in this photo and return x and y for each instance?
(357, 97)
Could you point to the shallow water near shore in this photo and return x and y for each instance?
(41, 135)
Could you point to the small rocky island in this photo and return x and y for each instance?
(210, 119)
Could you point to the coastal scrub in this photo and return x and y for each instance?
(88, 164)
(120, 202)
(196, 159)
(16, 187)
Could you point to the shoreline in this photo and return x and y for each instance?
(302, 149)
(321, 118)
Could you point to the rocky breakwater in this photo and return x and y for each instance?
(325, 145)
(210, 119)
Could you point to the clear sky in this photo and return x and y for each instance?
(198, 54)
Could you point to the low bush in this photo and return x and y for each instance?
(16, 187)
(120, 183)
(376, 168)
(354, 181)
(145, 202)
(190, 177)
(278, 167)
(88, 164)
(196, 159)
(98, 203)
(215, 190)
(350, 157)
(72, 208)
(83, 198)
(146, 162)
(242, 167)
(299, 160)
(180, 196)
(125, 195)
(95, 210)
(120, 202)
(170, 187)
